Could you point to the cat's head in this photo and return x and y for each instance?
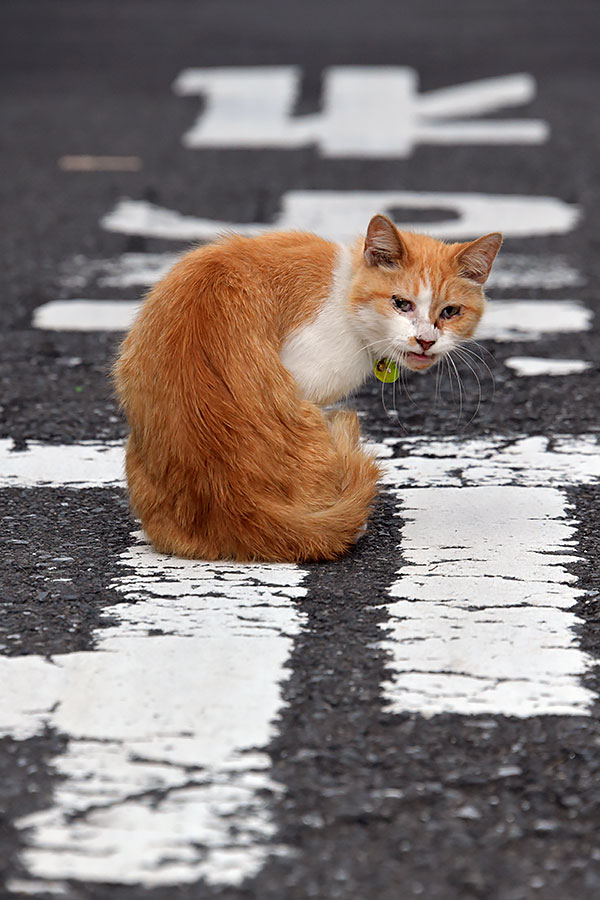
(414, 298)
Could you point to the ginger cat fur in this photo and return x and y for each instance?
(224, 374)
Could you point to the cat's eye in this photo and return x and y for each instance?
(402, 304)
(449, 311)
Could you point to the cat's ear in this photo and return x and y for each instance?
(383, 244)
(475, 259)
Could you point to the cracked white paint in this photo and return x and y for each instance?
(88, 464)
(482, 620)
(164, 779)
(341, 215)
(167, 719)
(531, 365)
(526, 461)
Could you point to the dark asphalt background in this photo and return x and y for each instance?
(373, 802)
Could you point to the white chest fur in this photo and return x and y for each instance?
(326, 355)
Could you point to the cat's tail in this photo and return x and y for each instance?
(293, 525)
(302, 533)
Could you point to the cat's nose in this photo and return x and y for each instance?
(425, 344)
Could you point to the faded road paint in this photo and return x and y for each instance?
(482, 623)
(511, 270)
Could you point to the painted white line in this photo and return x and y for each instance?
(511, 270)
(341, 215)
(531, 365)
(486, 544)
(528, 271)
(89, 464)
(179, 698)
(253, 107)
(482, 621)
(504, 320)
(431, 462)
(86, 315)
(528, 320)
(523, 462)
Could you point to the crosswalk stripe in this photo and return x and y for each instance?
(179, 696)
(482, 623)
(479, 620)
(85, 465)
(452, 494)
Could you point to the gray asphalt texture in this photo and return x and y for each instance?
(374, 804)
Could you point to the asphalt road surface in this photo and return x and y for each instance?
(421, 718)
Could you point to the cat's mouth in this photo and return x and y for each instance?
(419, 360)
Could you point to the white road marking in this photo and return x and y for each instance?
(253, 107)
(531, 365)
(127, 270)
(525, 461)
(504, 320)
(185, 683)
(525, 270)
(482, 623)
(528, 320)
(511, 270)
(86, 315)
(179, 697)
(433, 462)
(341, 215)
(85, 465)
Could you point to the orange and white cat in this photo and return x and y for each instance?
(224, 374)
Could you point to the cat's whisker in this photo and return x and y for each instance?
(386, 410)
(401, 358)
(479, 346)
(483, 363)
(476, 360)
(438, 374)
(450, 378)
(479, 400)
(403, 382)
(460, 387)
(385, 355)
(461, 392)
(368, 347)
(397, 357)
